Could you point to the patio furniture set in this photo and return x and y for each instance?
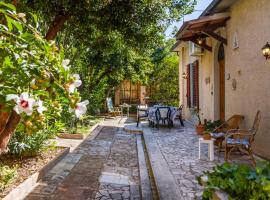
(159, 114)
(229, 138)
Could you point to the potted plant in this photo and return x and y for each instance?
(206, 135)
(199, 126)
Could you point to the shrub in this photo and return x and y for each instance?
(239, 181)
(28, 145)
(7, 174)
(210, 126)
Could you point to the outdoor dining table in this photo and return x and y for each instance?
(152, 110)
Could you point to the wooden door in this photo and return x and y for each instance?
(222, 89)
(221, 61)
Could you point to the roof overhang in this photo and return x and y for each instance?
(202, 28)
(218, 6)
(176, 47)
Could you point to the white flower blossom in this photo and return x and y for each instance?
(76, 83)
(65, 64)
(80, 108)
(40, 107)
(24, 103)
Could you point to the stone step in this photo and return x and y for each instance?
(164, 180)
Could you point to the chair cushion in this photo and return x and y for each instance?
(217, 135)
(233, 141)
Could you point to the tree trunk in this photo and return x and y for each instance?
(10, 127)
(3, 118)
(57, 24)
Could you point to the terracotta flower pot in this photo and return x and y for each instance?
(199, 129)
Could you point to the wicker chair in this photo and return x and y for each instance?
(242, 140)
(141, 113)
(219, 133)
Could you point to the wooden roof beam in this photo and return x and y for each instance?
(203, 45)
(215, 36)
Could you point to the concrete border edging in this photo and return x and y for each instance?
(165, 183)
(78, 136)
(27, 185)
(144, 178)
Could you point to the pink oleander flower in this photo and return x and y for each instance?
(24, 103)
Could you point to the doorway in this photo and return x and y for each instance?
(221, 63)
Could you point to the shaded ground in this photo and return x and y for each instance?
(105, 167)
(26, 166)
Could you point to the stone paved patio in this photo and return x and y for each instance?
(105, 165)
(179, 147)
(101, 167)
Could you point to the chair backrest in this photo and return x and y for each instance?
(163, 113)
(142, 110)
(142, 106)
(256, 123)
(109, 104)
(234, 121)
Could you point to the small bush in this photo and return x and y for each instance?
(239, 181)
(7, 174)
(22, 144)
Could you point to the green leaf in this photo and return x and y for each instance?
(17, 25)
(8, 5)
(9, 23)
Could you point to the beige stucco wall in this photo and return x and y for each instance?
(251, 20)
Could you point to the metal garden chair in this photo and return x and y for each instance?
(162, 115)
(141, 113)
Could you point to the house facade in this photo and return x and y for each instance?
(221, 67)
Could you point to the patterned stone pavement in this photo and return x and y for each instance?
(179, 147)
(104, 167)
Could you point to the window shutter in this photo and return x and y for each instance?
(196, 84)
(188, 86)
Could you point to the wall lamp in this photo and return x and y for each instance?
(266, 50)
(184, 75)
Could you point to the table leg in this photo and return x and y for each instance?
(211, 151)
(199, 149)
(127, 111)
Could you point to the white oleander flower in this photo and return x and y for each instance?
(40, 107)
(76, 83)
(80, 108)
(65, 64)
(24, 103)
